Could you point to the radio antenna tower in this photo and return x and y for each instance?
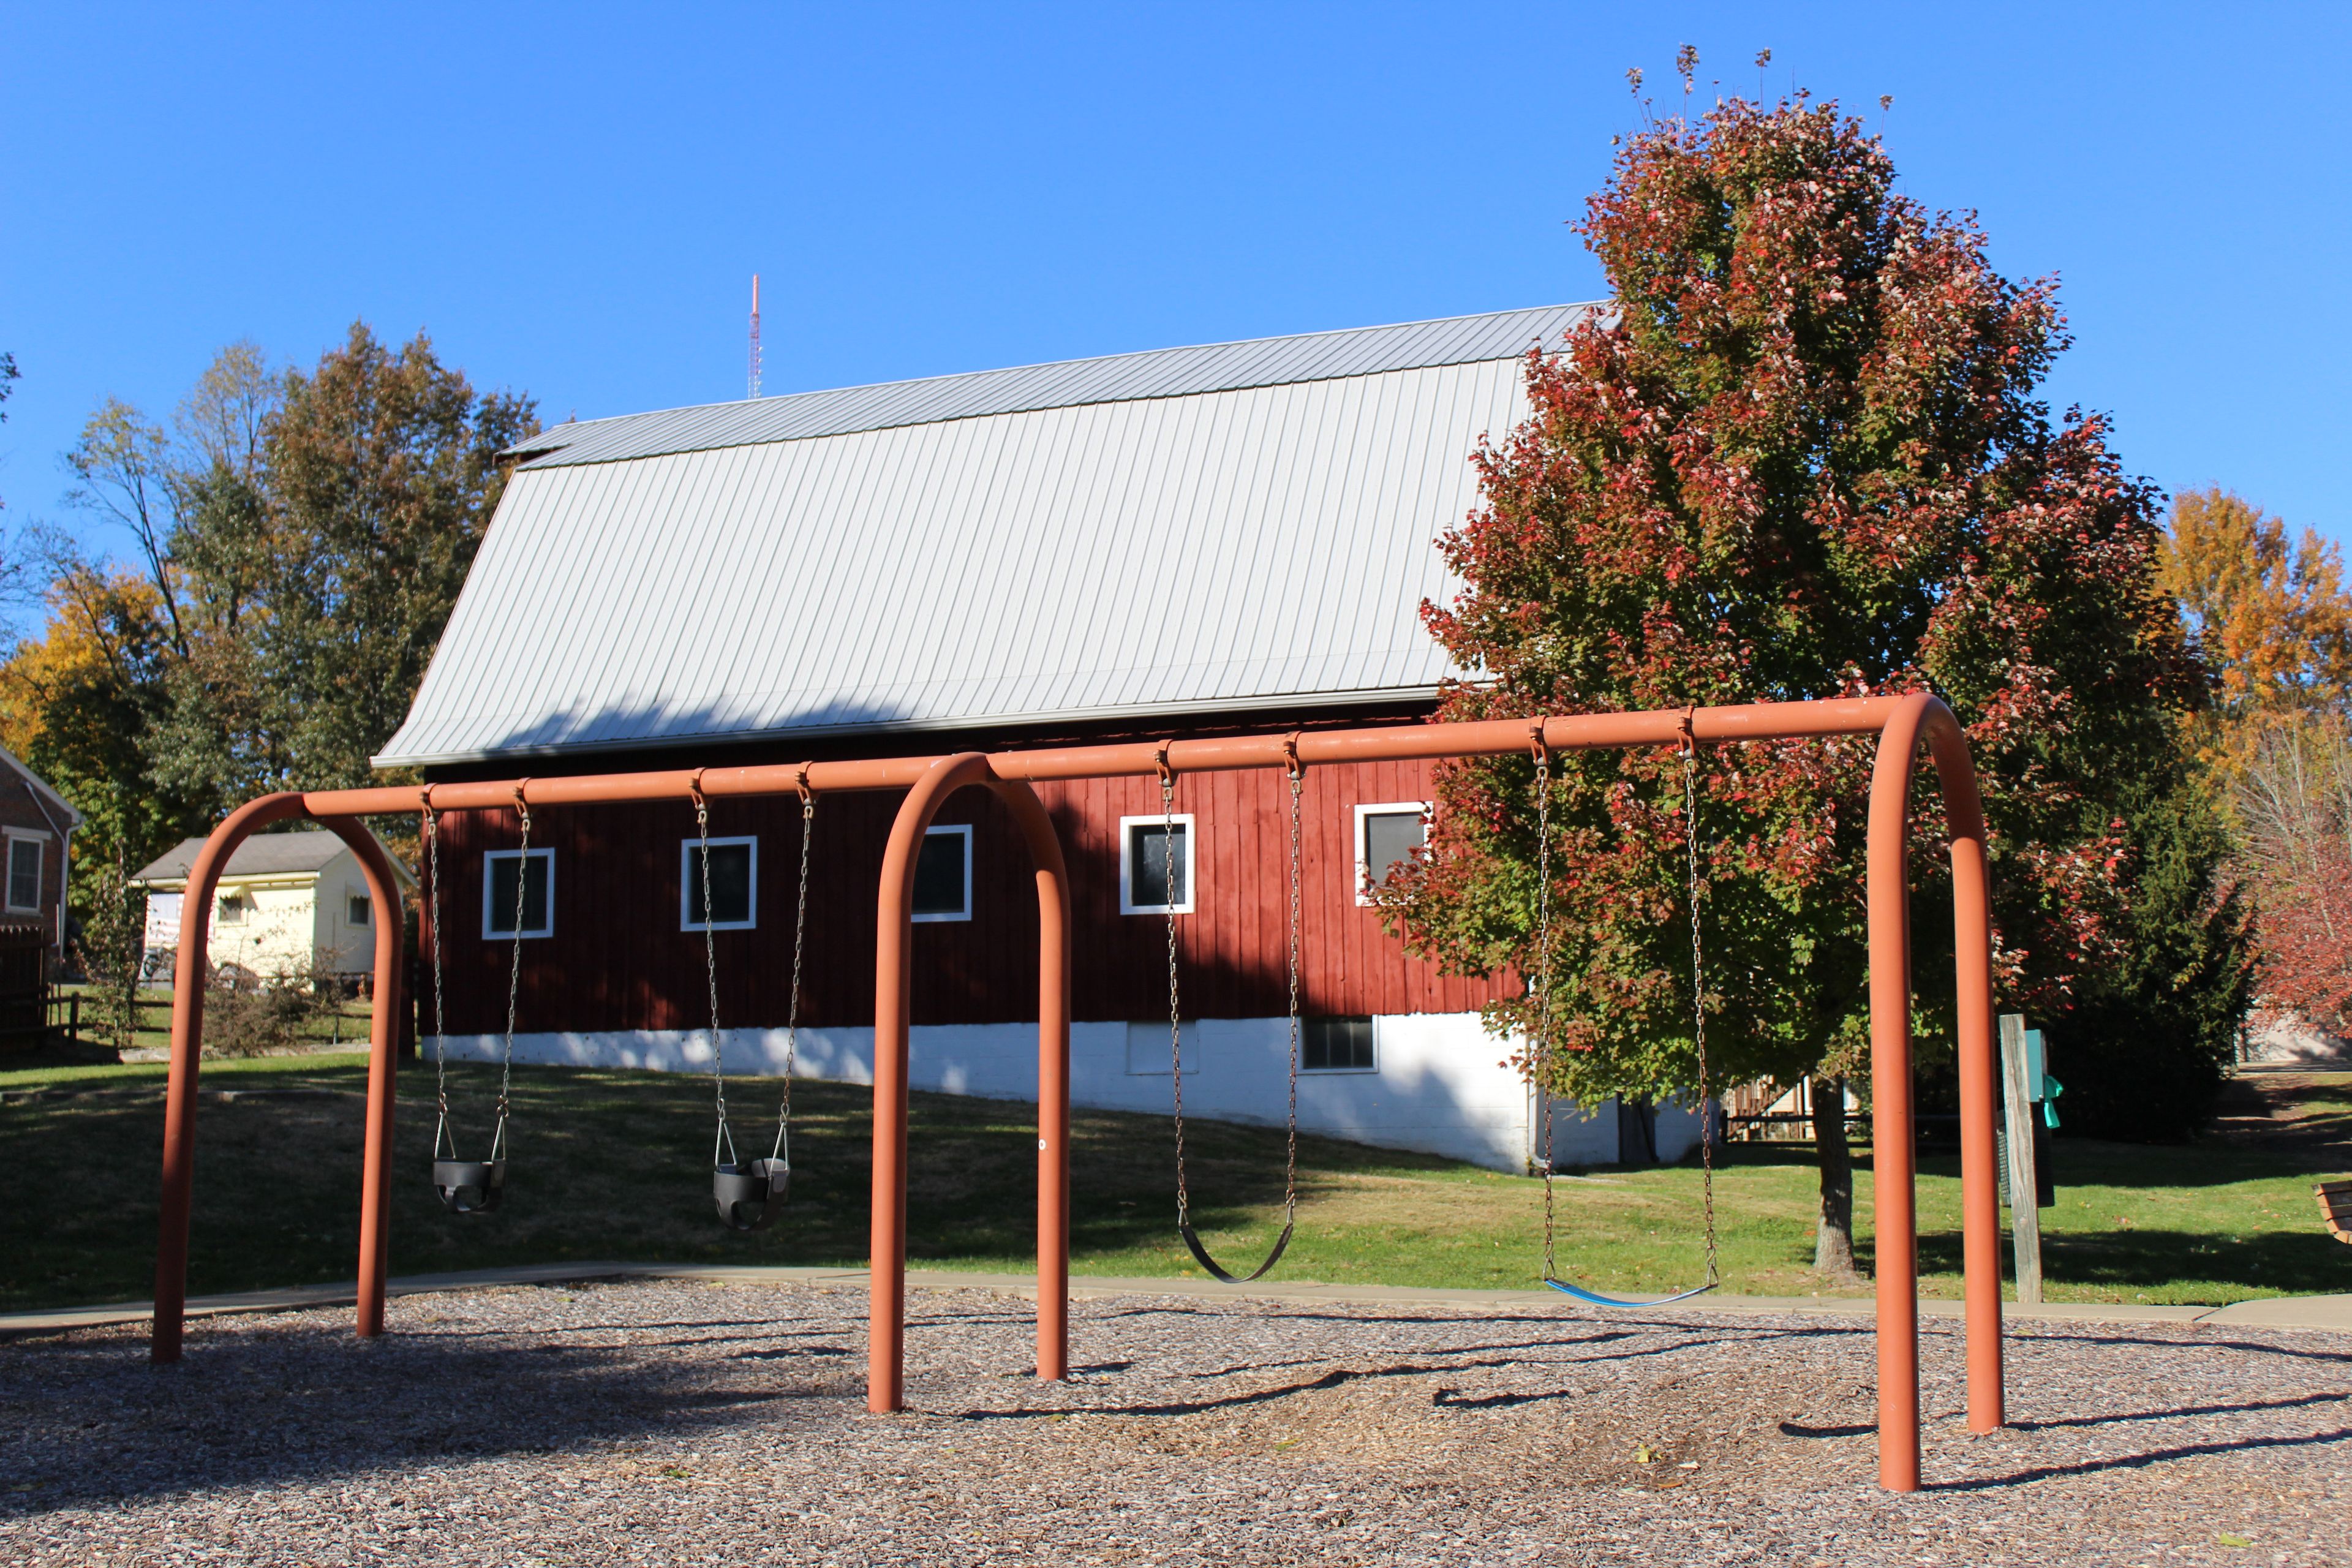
(755, 334)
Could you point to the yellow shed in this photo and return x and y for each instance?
(289, 904)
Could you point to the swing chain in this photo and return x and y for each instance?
(1298, 772)
(724, 1138)
(1699, 988)
(514, 970)
(1542, 992)
(1175, 1023)
(783, 1149)
(433, 932)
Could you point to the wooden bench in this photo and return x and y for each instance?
(2336, 1204)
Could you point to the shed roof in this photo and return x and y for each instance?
(292, 852)
(1216, 528)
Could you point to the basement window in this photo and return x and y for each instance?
(1155, 866)
(1387, 834)
(1336, 1044)
(943, 874)
(734, 884)
(502, 872)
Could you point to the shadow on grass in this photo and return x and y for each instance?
(2145, 1257)
(603, 1165)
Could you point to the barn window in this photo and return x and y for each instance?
(943, 874)
(1385, 835)
(355, 909)
(734, 884)
(1336, 1044)
(501, 869)
(1155, 870)
(234, 910)
(24, 873)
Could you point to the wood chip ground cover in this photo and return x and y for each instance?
(679, 1423)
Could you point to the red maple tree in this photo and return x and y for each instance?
(1800, 457)
(2295, 807)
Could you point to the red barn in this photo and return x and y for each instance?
(1208, 540)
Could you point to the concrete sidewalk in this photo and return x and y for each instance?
(2329, 1312)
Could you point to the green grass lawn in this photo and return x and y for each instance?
(613, 1165)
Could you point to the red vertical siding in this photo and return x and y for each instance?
(618, 960)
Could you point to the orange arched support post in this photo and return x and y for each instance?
(384, 1061)
(1892, 1152)
(893, 994)
(187, 1052)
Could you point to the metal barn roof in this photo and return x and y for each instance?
(1069, 383)
(1226, 527)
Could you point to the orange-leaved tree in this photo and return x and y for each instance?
(2269, 613)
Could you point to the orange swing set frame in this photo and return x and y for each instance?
(1902, 723)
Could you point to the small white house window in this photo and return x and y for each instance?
(355, 909)
(734, 884)
(1387, 834)
(1336, 1044)
(235, 909)
(943, 874)
(23, 874)
(501, 868)
(1155, 870)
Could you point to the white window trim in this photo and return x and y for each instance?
(33, 836)
(688, 851)
(964, 831)
(1126, 826)
(1428, 810)
(489, 881)
(365, 903)
(1335, 1072)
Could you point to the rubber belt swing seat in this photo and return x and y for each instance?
(1595, 1299)
(1216, 1271)
(1168, 890)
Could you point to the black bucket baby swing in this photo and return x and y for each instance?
(747, 1193)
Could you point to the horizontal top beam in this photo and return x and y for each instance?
(1395, 743)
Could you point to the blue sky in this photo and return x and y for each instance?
(572, 200)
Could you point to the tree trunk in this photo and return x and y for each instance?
(1833, 1241)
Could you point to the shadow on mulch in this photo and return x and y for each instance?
(2140, 1461)
(292, 1404)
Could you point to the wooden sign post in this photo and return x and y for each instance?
(2024, 1183)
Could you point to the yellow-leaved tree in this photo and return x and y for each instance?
(2269, 613)
(2273, 618)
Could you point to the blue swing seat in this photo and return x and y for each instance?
(1594, 1299)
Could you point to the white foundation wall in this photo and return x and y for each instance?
(1442, 1084)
